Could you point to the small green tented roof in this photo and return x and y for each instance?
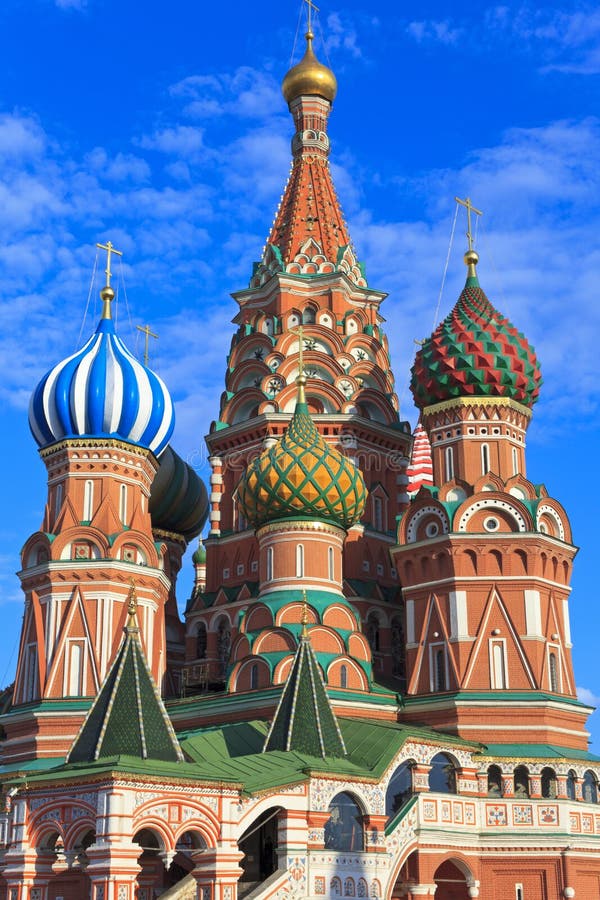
(304, 720)
(128, 717)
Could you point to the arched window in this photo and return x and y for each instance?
(590, 787)
(399, 789)
(498, 667)
(521, 781)
(223, 646)
(344, 828)
(201, 641)
(439, 669)
(330, 564)
(123, 504)
(377, 513)
(75, 684)
(88, 501)
(308, 315)
(548, 783)
(373, 632)
(485, 459)
(449, 463)
(58, 498)
(269, 563)
(553, 672)
(515, 461)
(299, 561)
(253, 676)
(494, 781)
(571, 782)
(344, 676)
(442, 775)
(398, 647)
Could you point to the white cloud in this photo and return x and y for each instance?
(435, 31)
(586, 696)
(71, 4)
(180, 140)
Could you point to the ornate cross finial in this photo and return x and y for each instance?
(310, 6)
(145, 329)
(304, 619)
(470, 208)
(132, 605)
(301, 379)
(109, 251)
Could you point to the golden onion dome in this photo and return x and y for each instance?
(302, 477)
(309, 77)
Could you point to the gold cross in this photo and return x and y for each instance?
(311, 6)
(470, 208)
(132, 604)
(109, 251)
(145, 329)
(304, 618)
(300, 332)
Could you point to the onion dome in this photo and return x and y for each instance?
(199, 554)
(178, 498)
(102, 391)
(302, 477)
(309, 77)
(475, 352)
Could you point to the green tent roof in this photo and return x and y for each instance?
(304, 719)
(128, 716)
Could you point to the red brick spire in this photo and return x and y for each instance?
(309, 235)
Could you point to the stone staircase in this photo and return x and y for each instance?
(183, 890)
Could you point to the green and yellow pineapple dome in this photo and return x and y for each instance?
(302, 477)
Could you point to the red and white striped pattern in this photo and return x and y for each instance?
(420, 469)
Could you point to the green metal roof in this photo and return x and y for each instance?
(128, 716)
(304, 719)
(539, 751)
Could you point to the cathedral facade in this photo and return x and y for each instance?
(372, 691)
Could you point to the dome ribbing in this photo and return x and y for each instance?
(102, 391)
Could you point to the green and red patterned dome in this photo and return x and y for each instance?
(301, 476)
(475, 352)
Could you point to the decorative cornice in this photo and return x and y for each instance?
(457, 402)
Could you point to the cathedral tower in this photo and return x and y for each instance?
(484, 555)
(308, 295)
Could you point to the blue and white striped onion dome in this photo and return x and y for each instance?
(102, 391)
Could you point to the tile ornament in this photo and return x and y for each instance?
(320, 885)
(522, 814)
(548, 815)
(495, 815)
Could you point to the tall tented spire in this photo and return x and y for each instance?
(309, 235)
(304, 720)
(128, 717)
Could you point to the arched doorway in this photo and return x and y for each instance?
(161, 868)
(259, 845)
(451, 882)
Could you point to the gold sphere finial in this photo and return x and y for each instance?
(471, 259)
(301, 384)
(309, 77)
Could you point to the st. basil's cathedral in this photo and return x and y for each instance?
(371, 693)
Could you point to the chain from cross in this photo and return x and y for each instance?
(310, 6)
(145, 329)
(108, 246)
(470, 208)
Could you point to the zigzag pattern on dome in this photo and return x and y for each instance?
(302, 476)
(475, 352)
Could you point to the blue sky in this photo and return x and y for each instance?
(163, 128)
